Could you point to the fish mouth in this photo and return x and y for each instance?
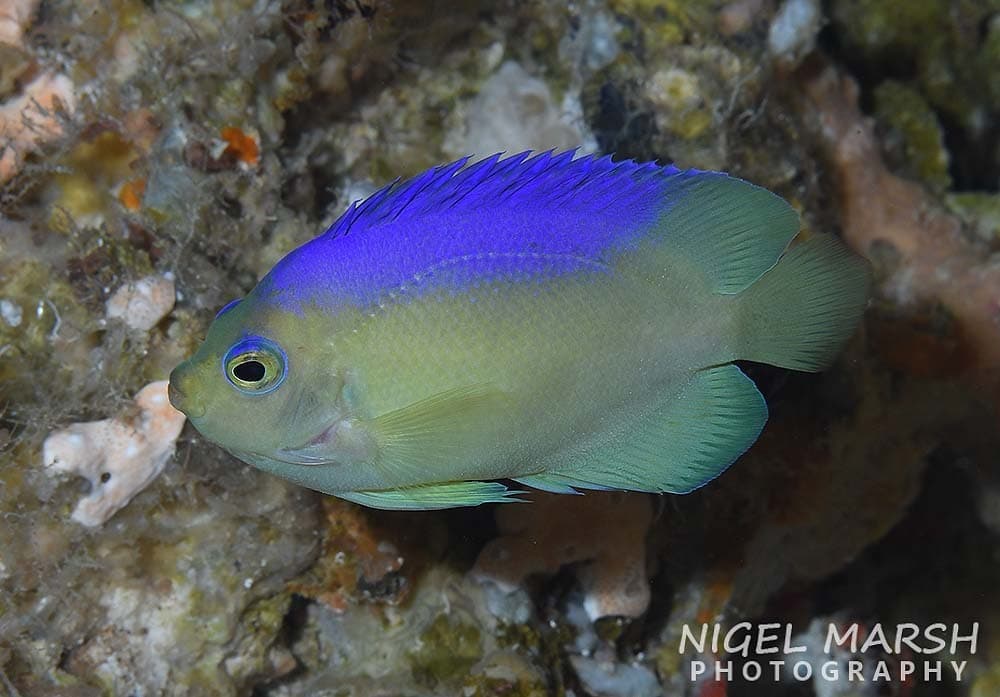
(179, 394)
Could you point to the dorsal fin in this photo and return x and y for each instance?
(530, 218)
(540, 178)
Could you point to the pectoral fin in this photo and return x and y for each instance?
(434, 496)
(420, 439)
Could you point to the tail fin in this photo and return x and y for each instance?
(800, 313)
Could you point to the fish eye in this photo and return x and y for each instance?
(255, 365)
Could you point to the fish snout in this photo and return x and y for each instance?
(181, 392)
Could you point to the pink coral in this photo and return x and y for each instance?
(32, 119)
(14, 17)
(937, 264)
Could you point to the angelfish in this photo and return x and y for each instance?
(564, 322)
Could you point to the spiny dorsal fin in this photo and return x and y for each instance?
(541, 178)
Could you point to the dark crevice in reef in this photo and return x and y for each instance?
(620, 125)
(292, 627)
(971, 124)
(915, 565)
(907, 577)
(975, 162)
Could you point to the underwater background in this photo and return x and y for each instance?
(157, 158)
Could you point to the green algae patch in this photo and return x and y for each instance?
(485, 686)
(259, 628)
(670, 21)
(891, 26)
(43, 319)
(94, 169)
(610, 629)
(446, 651)
(949, 51)
(980, 211)
(523, 635)
(913, 139)
(546, 644)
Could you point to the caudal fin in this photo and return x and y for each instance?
(800, 313)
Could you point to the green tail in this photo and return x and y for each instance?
(800, 313)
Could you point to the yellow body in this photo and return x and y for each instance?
(561, 359)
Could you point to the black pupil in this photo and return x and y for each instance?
(249, 371)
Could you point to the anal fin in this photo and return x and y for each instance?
(676, 444)
(428, 497)
(547, 482)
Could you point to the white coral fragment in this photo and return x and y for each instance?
(120, 457)
(11, 312)
(142, 304)
(793, 31)
(513, 112)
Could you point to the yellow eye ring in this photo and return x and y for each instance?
(255, 365)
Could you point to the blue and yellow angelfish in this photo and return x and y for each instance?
(567, 323)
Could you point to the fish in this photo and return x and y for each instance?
(543, 320)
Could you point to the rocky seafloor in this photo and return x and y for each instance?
(156, 158)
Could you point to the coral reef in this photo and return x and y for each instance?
(932, 262)
(606, 529)
(443, 641)
(181, 623)
(913, 139)
(980, 211)
(157, 159)
(950, 51)
(362, 561)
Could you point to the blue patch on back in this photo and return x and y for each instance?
(456, 226)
